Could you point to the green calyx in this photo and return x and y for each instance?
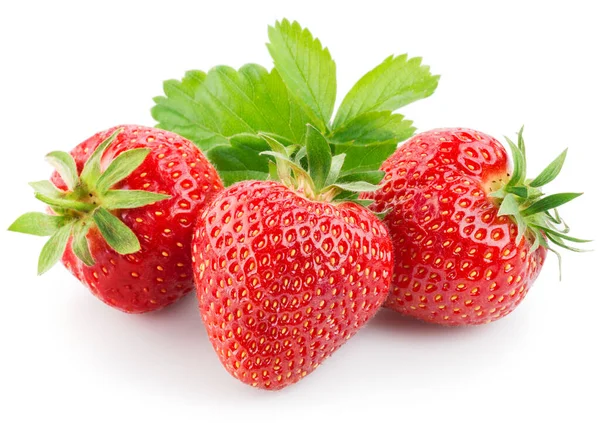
(86, 203)
(312, 169)
(535, 213)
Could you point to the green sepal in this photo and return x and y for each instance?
(550, 202)
(91, 170)
(562, 235)
(64, 203)
(550, 172)
(115, 233)
(65, 166)
(534, 213)
(47, 188)
(54, 248)
(130, 199)
(318, 154)
(358, 186)
(39, 224)
(337, 162)
(120, 168)
(519, 166)
(80, 243)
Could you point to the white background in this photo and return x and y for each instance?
(69, 70)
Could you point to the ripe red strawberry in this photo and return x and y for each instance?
(284, 277)
(123, 207)
(470, 235)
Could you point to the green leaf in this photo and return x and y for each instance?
(550, 172)
(54, 249)
(130, 199)
(80, 243)
(550, 202)
(91, 169)
(47, 189)
(362, 158)
(393, 84)
(65, 166)
(182, 113)
(39, 224)
(121, 167)
(370, 176)
(116, 233)
(358, 186)
(64, 203)
(318, 154)
(306, 68)
(373, 127)
(236, 164)
(336, 167)
(519, 170)
(208, 109)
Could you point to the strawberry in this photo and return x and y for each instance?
(122, 207)
(284, 275)
(469, 235)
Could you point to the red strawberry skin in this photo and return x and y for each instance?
(161, 272)
(283, 281)
(456, 261)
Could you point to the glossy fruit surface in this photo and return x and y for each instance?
(457, 262)
(284, 281)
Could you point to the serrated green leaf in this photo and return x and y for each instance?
(47, 189)
(519, 169)
(336, 167)
(373, 127)
(54, 249)
(65, 166)
(550, 172)
(80, 243)
(64, 203)
(91, 169)
(121, 167)
(363, 158)
(318, 154)
(130, 199)
(209, 110)
(306, 68)
(550, 202)
(396, 82)
(116, 233)
(36, 223)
